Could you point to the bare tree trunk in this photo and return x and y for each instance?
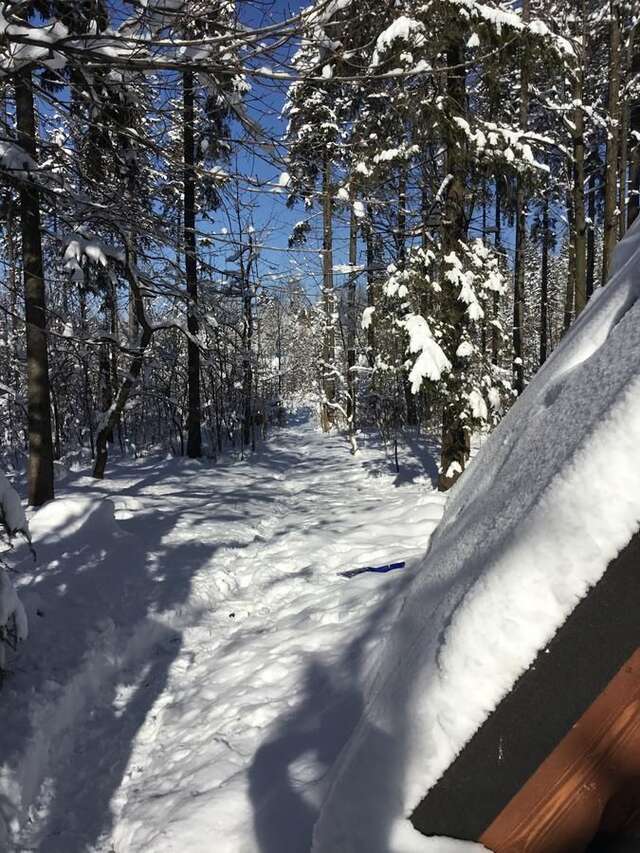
(84, 362)
(327, 417)
(521, 228)
(106, 395)
(104, 363)
(401, 251)
(351, 325)
(623, 169)
(455, 440)
(194, 437)
(40, 465)
(495, 349)
(247, 379)
(633, 203)
(579, 220)
(132, 320)
(592, 189)
(111, 417)
(627, 73)
(634, 184)
(544, 283)
(483, 331)
(569, 294)
(613, 143)
(371, 285)
(13, 350)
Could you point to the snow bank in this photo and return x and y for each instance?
(12, 521)
(94, 642)
(12, 516)
(551, 499)
(67, 517)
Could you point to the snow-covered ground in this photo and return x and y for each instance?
(195, 663)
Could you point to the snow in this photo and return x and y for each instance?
(12, 521)
(195, 662)
(549, 501)
(478, 405)
(404, 29)
(431, 362)
(80, 246)
(10, 605)
(347, 269)
(12, 515)
(18, 53)
(367, 316)
(359, 210)
(465, 349)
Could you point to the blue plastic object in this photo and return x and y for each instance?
(389, 567)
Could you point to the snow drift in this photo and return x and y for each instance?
(12, 522)
(550, 500)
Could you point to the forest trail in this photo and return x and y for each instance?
(222, 658)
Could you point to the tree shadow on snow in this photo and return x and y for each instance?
(291, 770)
(417, 457)
(88, 678)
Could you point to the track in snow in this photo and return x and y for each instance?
(195, 677)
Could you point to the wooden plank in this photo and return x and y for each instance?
(562, 805)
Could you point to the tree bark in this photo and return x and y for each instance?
(112, 416)
(613, 143)
(627, 73)
(544, 283)
(521, 228)
(327, 417)
(371, 287)
(351, 324)
(401, 247)
(40, 464)
(194, 437)
(495, 348)
(592, 189)
(633, 202)
(569, 294)
(579, 220)
(247, 379)
(455, 440)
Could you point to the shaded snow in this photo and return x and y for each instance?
(196, 663)
(551, 498)
(12, 516)
(12, 521)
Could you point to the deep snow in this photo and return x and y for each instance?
(195, 662)
(551, 499)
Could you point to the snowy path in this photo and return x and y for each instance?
(194, 677)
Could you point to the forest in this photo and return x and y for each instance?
(459, 172)
(263, 263)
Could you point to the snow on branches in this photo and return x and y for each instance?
(452, 368)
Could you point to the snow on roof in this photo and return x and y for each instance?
(549, 501)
